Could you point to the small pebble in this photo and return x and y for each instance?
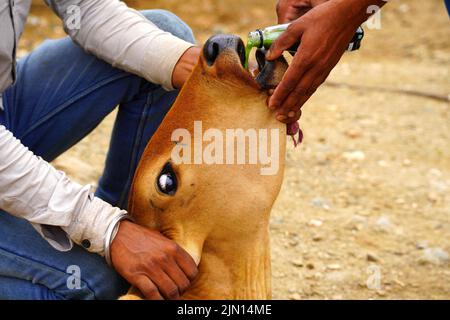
(381, 293)
(383, 224)
(433, 197)
(436, 256)
(401, 284)
(297, 263)
(404, 8)
(383, 164)
(334, 267)
(293, 243)
(354, 156)
(422, 245)
(315, 223)
(372, 257)
(353, 134)
(317, 238)
(321, 203)
(295, 296)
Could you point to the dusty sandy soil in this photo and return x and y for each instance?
(368, 192)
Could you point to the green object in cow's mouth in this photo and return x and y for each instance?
(248, 50)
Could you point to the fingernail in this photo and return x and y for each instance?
(291, 114)
(281, 117)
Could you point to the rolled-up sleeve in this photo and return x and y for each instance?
(122, 37)
(61, 210)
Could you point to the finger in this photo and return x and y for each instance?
(298, 115)
(299, 66)
(269, 94)
(186, 263)
(282, 118)
(165, 284)
(178, 276)
(286, 118)
(304, 90)
(147, 288)
(294, 116)
(292, 113)
(290, 109)
(286, 40)
(292, 104)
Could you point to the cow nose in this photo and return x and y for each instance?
(217, 44)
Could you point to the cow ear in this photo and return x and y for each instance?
(270, 72)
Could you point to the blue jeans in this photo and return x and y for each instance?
(62, 93)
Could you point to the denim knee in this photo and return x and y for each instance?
(168, 21)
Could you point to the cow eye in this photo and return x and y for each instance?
(167, 180)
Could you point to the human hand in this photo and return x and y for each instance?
(184, 66)
(155, 265)
(325, 32)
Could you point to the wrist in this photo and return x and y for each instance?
(184, 66)
(111, 233)
(91, 223)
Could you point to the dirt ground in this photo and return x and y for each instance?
(364, 211)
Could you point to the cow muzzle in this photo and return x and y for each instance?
(216, 45)
(269, 73)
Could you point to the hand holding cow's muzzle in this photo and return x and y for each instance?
(155, 265)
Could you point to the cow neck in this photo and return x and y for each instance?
(234, 269)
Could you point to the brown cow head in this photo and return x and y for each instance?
(193, 183)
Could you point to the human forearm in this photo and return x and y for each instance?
(325, 29)
(32, 189)
(124, 38)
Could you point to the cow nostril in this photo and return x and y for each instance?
(211, 51)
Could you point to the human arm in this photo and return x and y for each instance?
(64, 212)
(124, 38)
(325, 30)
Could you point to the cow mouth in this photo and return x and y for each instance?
(227, 52)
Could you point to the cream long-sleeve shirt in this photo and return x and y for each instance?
(61, 210)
